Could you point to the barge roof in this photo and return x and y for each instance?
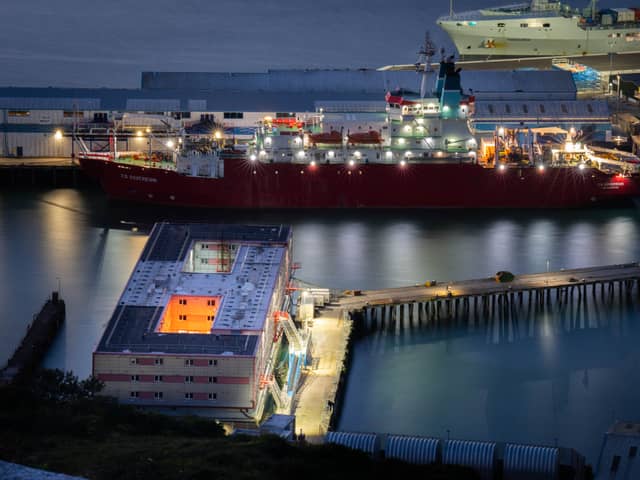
(227, 271)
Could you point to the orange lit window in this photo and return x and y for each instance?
(191, 314)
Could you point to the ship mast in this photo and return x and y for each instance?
(450, 8)
(427, 51)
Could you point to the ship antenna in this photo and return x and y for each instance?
(450, 8)
(425, 54)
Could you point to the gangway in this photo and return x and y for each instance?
(296, 343)
(280, 396)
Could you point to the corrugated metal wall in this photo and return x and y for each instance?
(34, 145)
(478, 455)
(530, 462)
(412, 449)
(365, 442)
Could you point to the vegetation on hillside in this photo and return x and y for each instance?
(59, 423)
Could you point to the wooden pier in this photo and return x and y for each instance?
(41, 172)
(485, 297)
(40, 333)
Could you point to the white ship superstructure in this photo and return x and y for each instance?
(543, 28)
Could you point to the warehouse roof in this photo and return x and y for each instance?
(275, 91)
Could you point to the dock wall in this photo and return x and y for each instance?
(33, 175)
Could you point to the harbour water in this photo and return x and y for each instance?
(556, 379)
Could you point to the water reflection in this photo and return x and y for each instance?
(531, 378)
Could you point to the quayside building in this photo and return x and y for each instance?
(40, 122)
(200, 321)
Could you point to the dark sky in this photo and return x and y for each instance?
(96, 43)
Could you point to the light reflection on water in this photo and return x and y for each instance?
(543, 380)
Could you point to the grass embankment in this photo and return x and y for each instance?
(59, 424)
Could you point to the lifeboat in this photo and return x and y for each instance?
(331, 137)
(371, 136)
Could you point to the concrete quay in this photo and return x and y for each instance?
(320, 384)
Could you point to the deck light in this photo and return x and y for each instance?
(58, 135)
(138, 133)
(388, 154)
(313, 163)
(217, 134)
(252, 157)
(352, 163)
(541, 168)
(502, 167)
(331, 154)
(403, 163)
(582, 166)
(169, 144)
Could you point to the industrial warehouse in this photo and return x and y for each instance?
(41, 122)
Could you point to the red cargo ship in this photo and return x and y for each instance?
(248, 184)
(423, 156)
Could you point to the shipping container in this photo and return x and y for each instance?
(606, 19)
(625, 15)
(608, 16)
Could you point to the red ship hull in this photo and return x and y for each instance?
(414, 185)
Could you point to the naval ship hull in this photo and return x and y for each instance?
(564, 36)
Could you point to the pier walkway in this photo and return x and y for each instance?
(475, 300)
(564, 283)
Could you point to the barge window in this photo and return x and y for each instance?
(564, 108)
(285, 115)
(19, 113)
(159, 361)
(546, 25)
(525, 109)
(524, 25)
(157, 395)
(213, 362)
(213, 396)
(501, 25)
(507, 108)
(541, 108)
(134, 394)
(229, 115)
(589, 108)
